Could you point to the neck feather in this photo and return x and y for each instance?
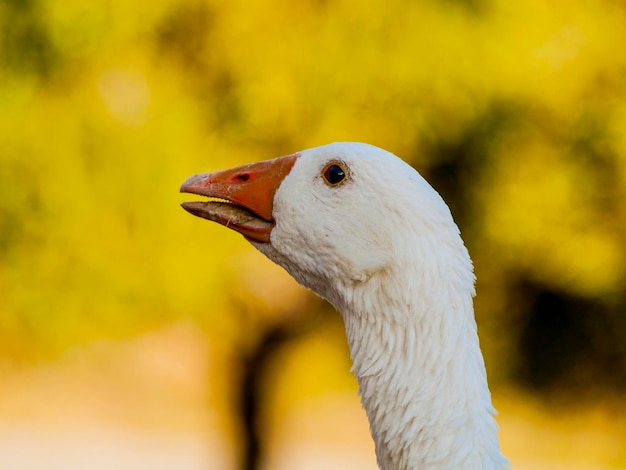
(421, 373)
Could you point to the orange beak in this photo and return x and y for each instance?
(246, 193)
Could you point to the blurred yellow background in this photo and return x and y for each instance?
(130, 331)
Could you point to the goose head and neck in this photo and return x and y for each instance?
(364, 230)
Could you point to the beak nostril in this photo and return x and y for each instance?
(242, 177)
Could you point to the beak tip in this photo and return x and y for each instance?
(187, 185)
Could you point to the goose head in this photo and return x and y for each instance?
(333, 216)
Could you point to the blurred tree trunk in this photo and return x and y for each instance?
(254, 366)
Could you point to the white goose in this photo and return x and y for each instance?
(364, 230)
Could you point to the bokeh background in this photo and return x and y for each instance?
(133, 335)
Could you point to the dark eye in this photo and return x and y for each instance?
(334, 174)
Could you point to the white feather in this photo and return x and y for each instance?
(383, 248)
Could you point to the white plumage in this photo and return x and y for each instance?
(382, 247)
